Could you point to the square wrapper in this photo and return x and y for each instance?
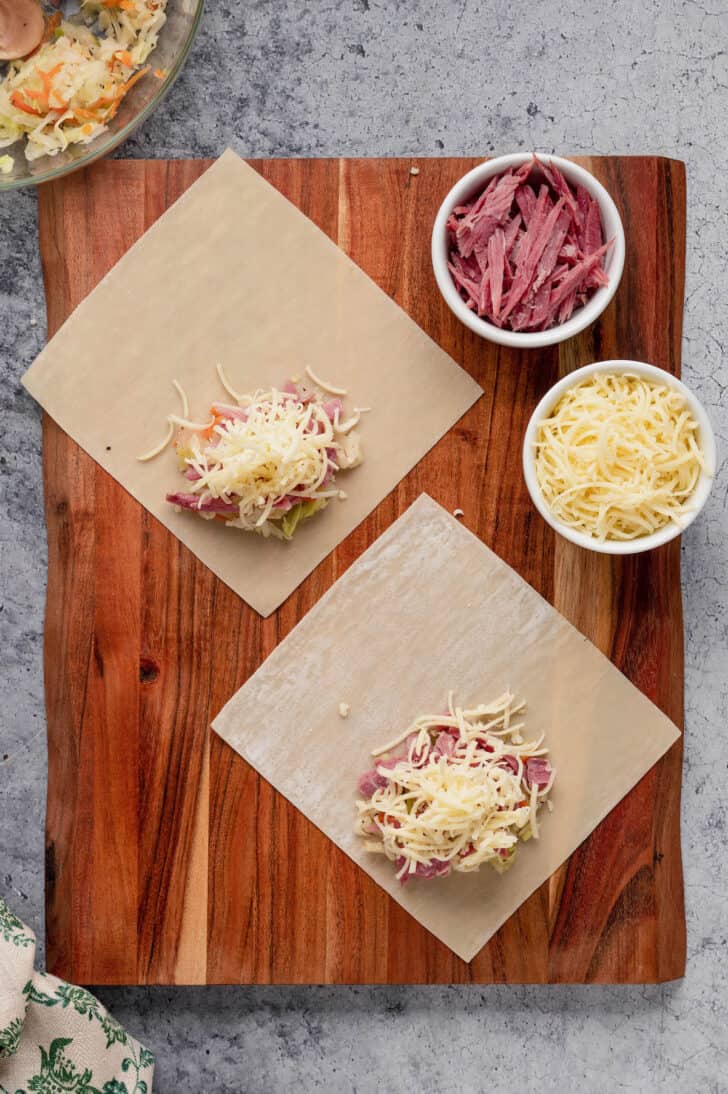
(234, 273)
(429, 608)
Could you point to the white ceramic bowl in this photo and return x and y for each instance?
(474, 183)
(611, 546)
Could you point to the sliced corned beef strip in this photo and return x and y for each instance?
(485, 304)
(570, 252)
(369, 782)
(208, 505)
(510, 762)
(444, 744)
(434, 868)
(576, 277)
(496, 268)
(527, 265)
(583, 201)
(515, 249)
(592, 230)
(540, 306)
(540, 212)
(593, 240)
(548, 259)
(538, 772)
(478, 204)
(510, 231)
(564, 311)
(526, 202)
(597, 278)
(561, 187)
(476, 228)
(471, 287)
(520, 319)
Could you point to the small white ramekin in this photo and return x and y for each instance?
(643, 543)
(470, 186)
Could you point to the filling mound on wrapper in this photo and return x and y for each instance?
(267, 461)
(455, 791)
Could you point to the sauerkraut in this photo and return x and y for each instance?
(70, 88)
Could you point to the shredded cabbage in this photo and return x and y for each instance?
(70, 88)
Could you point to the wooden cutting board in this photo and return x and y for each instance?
(168, 859)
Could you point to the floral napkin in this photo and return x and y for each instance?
(54, 1037)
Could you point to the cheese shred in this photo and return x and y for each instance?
(324, 384)
(619, 457)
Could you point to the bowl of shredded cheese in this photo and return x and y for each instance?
(619, 457)
(101, 69)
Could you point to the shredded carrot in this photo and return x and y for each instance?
(130, 83)
(160, 73)
(105, 100)
(43, 97)
(18, 101)
(124, 56)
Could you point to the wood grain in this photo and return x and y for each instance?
(168, 859)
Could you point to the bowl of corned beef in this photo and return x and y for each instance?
(528, 249)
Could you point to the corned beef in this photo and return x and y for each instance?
(525, 260)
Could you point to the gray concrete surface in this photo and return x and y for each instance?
(366, 77)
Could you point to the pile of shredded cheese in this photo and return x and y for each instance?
(70, 88)
(462, 794)
(267, 461)
(619, 456)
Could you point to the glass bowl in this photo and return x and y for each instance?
(175, 40)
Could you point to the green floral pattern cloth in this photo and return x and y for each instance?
(55, 1038)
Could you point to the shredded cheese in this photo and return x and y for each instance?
(324, 384)
(350, 423)
(226, 384)
(459, 793)
(619, 457)
(158, 448)
(185, 423)
(183, 397)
